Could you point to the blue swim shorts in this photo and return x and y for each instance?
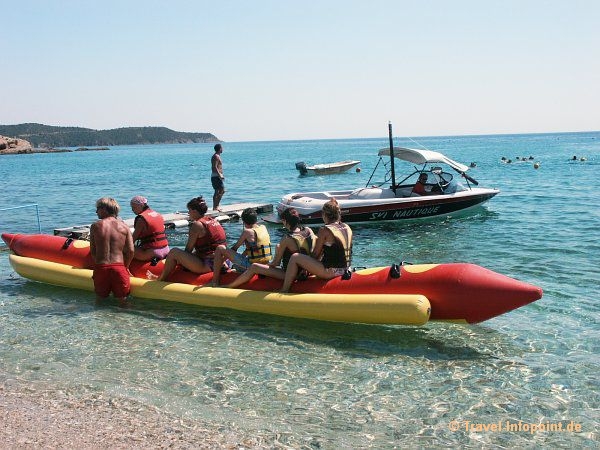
(241, 262)
(217, 183)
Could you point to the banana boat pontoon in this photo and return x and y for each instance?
(407, 294)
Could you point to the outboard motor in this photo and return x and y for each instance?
(301, 167)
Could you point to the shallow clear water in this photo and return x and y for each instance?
(307, 383)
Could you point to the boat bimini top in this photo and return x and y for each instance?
(416, 156)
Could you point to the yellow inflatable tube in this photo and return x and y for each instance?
(398, 309)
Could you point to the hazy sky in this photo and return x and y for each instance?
(270, 70)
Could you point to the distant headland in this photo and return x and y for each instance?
(38, 138)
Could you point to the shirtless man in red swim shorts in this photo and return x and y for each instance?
(111, 245)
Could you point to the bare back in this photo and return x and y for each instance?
(111, 242)
(216, 165)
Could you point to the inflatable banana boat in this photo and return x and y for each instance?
(407, 295)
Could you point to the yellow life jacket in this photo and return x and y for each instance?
(339, 255)
(305, 240)
(259, 251)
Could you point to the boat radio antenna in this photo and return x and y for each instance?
(392, 156)
(418, 143)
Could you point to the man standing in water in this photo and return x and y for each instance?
(111, 246)
(217, 177)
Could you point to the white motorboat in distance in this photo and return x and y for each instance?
(446, 195)
(325, 169)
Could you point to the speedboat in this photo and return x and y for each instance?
(447, 194)
(325, 169)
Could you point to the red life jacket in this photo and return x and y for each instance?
(155, 236)
(214, 236)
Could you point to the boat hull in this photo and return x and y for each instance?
(326, 169)
(378, 209)
(457, 292)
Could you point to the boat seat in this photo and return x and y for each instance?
(371, 193)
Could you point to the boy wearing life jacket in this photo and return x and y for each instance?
(257, 244)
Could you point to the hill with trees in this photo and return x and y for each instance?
(50, 136)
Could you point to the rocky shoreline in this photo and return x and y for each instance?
(15, 146)
(11, 146)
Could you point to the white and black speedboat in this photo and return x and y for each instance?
(447, 194)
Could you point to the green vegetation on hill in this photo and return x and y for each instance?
(48, 136)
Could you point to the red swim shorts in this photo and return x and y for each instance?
(111, 277)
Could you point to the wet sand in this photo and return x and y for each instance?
(55, 420)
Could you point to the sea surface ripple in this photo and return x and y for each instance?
(309, 384)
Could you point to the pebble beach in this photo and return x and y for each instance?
(46, 419)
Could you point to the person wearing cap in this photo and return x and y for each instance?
(149, 231)
(217, 177)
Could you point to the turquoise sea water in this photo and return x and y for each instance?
(303, 383)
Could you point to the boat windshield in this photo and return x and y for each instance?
(435, 176)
